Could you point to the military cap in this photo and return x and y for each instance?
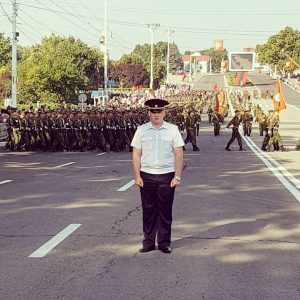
(156, 104)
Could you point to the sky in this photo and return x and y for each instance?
(196, 23)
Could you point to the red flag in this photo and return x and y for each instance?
(278, 98)
(216, 87)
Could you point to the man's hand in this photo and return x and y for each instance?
(139, 181)
(174, 183)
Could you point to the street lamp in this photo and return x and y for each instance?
(168, 32)
(152, 27)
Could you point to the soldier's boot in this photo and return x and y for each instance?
(227, 148)
(195, 148)
(242, 149)
(268, 148)
(282, 149)
(183, 148)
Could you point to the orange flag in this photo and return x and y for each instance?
(216, 87)
(278, 98)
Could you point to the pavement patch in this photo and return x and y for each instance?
(57, 239)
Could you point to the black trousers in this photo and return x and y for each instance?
(157, 202)
(235, 135)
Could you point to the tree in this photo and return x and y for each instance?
(129, 75)
(5, 82)
(141, 54)
(176, 62)
(216, 57)
(57, 69)
(5, 50)
(279, 47)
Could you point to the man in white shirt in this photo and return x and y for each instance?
(157, 162)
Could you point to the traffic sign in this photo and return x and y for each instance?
(82, 98)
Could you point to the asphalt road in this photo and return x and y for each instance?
(236, 232)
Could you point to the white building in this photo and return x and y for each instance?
(196, 64)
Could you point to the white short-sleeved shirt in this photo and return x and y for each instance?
(157, 147)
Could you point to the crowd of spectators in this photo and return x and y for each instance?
(293, 81)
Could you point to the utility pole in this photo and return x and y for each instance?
(210, 66)
(15, 34)
(169, 32)
(152, 27)
(105, 52)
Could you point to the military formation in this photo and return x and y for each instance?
(268, 124)
(61, 130)
(113, 129)
(100, 130)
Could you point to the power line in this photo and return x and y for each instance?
(28, 25)
(70, 21)
(203, 13)
(78, 17)
(92, 12)
(25, 34)
(6, 14)
(37, 21)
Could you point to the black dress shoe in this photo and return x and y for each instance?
(165, 249)
(242, 149)
(147, 249)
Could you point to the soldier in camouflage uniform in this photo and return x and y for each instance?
(190, 126)
(216, 120)
(275, 138)
(247, 123)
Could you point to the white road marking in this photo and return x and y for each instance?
(284, 176)
(64, 165)
(57, 239)
(5, 181)
(293, 106)
(291, 87)
(100, 154)
(126, 186)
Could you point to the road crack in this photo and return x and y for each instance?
(117, 224)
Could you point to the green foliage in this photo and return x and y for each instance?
(5, 82)
(230, 78)
(216, 57)
(129, 75)
(57, 69)
(142, 55)
(5, 50)
(279, 47)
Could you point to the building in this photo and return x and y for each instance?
(195, 65)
